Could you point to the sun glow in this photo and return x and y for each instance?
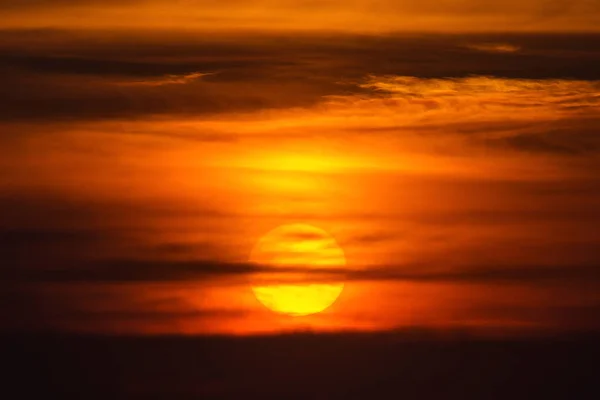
(298, 247)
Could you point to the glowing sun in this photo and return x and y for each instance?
(292, 251)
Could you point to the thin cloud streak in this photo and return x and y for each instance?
(136, 270)
(167, 80)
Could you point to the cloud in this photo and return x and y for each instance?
(79, 76)
(166, 80)
(101, 308)
(134, 270)
(489, 91)
(49, 87)
(144, 270)
(576, 141)
(494, 47)
(545, 116)
(523, 274)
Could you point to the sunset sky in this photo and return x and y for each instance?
(450, 148)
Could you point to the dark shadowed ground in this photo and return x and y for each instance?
(301, 366)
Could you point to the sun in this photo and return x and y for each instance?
(292, 251)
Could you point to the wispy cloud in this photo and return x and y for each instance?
(166, 80)
(494, 47)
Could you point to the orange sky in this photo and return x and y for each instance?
(337, 15)
(456, 172)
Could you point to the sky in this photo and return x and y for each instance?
(450, 148)
(307, 15)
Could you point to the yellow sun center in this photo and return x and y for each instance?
(290, 252)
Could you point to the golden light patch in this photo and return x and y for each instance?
(292, 251)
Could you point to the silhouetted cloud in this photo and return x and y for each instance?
(78, 76)
(140, 270)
